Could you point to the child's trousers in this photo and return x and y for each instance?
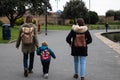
(45, 66)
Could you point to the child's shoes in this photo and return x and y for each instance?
(46, 76)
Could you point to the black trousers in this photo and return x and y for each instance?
(45, 66)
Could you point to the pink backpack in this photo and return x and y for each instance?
(45, 55)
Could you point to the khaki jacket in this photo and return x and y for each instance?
(27, 48)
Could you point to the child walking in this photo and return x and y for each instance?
(45, 54)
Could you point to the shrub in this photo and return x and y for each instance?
(1, 23)
(114, 23)
(34, 21)
(71, 21)
(19, 21)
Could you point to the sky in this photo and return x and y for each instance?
(99, 6)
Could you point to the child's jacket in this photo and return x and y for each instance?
(42, 48)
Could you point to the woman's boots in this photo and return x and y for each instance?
(82, 78)
(76, 76)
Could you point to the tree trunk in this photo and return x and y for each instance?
(12, 22)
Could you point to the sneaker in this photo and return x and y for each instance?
(26, 73)
(46, 76)
(75, 76)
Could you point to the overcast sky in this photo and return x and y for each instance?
(99, 6)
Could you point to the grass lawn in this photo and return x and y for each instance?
(14, 34)
(57, 27)
(15, 30)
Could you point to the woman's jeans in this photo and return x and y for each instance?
(31, 60)
(80, 62)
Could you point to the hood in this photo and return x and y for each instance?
(43, 47)
(79, 29)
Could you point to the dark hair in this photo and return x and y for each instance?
(80, 22)
(29, 19)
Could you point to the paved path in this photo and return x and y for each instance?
(103, 63)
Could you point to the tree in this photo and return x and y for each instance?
(110, 13)
(14, 9)
(93, 17)
(39, 6)
(74, 9)
(117, 15)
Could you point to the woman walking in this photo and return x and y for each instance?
(28, 37)
(78, 39)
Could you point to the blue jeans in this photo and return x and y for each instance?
(31, 60)
(80, 62)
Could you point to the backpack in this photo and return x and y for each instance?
(80, 40)
(45, 55)
(27, 35)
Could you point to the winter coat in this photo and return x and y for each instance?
(78, 51)
(29, 47)
(42, 48)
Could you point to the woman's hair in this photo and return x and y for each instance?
(80, 22)
(44, 43)
(29, 18)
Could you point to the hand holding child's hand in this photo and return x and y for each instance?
(17, 47)
(70, 45)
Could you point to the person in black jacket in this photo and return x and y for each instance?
(106, 27)
(78, 39)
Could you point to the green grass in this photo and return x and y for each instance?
(56, 27)
(15, 30)
(14, 34)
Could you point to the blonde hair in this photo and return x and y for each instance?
(44, 43)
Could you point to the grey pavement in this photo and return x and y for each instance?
(103, 63)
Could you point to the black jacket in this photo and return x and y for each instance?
(78, 51)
